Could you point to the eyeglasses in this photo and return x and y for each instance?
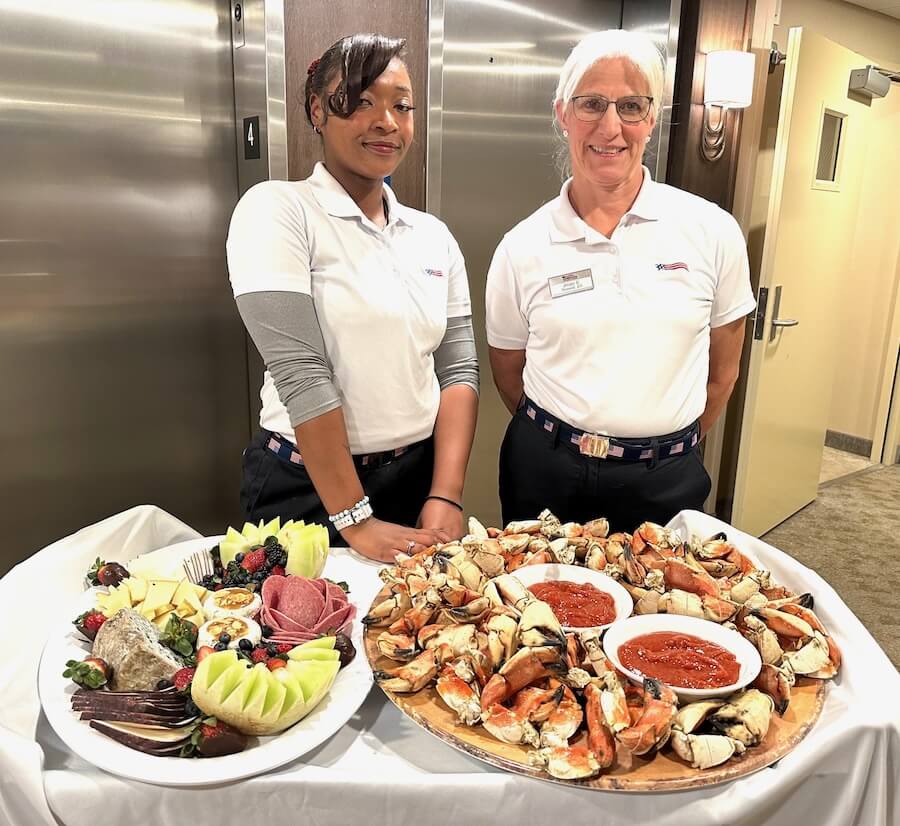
(631, 108)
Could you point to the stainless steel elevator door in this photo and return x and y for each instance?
(122, 361)
(501, 63)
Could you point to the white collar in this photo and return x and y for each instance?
(335, 200)
(567, 224)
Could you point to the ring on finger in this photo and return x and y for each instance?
(410, 545)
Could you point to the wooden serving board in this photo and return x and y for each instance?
(663, 772)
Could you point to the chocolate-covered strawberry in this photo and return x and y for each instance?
(345, 648)
(213, 738)
(89, 623)
(106, 573)
(91, 672)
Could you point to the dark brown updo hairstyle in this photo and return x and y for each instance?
(358, 60)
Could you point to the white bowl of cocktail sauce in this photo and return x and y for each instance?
(582, 599)
(694, 657)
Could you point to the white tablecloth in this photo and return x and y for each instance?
(383, 769)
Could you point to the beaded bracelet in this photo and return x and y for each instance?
(359, 512)
(448, 501)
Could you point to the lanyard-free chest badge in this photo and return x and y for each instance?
(570, 282)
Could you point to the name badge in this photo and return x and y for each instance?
(570, 282)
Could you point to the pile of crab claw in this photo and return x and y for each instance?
(458, 618)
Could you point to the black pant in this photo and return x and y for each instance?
(272, 486)
(537, 472)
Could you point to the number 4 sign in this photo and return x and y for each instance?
(251, 138)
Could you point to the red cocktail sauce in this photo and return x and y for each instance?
(680, 660)
(578, 605)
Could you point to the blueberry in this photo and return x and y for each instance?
(162, 685)
(225, 637)
(245, 645)
(239, 558)
(267, 631)
(191, 709)
(220, 646)
(271, 650)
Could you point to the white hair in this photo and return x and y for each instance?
(636, 48)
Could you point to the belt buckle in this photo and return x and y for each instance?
(593, 444)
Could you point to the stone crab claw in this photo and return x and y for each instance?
(526, 666)
(460, 695)
(652, 709)
(390, 609)
(563, 719)
(538, 626)
(400, 647)
(777, 683)
(596, 528)
(703, 751)
(562, 551)
(813, 659)
(551, 527)
(509, 726)
(414, 675)
(531, 526)
(745, 717)
(488, 555)
(566, 762)
(694, 580)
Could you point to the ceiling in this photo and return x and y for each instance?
(888, 7)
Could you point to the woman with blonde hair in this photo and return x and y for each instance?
(615, 312)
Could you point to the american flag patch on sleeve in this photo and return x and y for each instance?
(678, 265)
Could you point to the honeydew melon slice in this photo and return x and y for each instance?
(212, 667)
(315, 678)
(228, 682)
(274, 702)
(319, 642)
(255, 696)
(323, 654)
(293, 694)
(235, 703)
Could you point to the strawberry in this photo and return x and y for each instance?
(278, 570)
(202, 652)
(182, 678)
(106, 573)
(89, 623)
(254, 560)
(215, 739)
(275, 663)
(259, 655)
(91, 672)
(283, 647)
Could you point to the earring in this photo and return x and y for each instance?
(565, 133)
(317, 130)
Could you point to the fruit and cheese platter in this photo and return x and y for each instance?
(720, 671)
(211, 660)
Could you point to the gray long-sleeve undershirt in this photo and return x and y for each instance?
(285, 329)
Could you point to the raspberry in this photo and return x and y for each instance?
(182, 678)
(254, 560)
(275, 663)
(278, 571)
(283, 647)
(259, 655)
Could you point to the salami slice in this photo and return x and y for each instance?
(298, 609)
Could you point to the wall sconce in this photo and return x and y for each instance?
(728, 85)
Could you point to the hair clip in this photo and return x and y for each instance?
(313, 66)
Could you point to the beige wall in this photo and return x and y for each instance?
(869, 290)
(875, 35)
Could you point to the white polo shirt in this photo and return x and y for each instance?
(616, 330)
(382, 298)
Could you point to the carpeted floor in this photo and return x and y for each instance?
(851, 536)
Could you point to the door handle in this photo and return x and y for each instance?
(776, 321)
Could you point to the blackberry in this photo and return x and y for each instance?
(272, 541)
(271, 650)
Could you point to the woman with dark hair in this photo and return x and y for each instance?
(360, 308)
